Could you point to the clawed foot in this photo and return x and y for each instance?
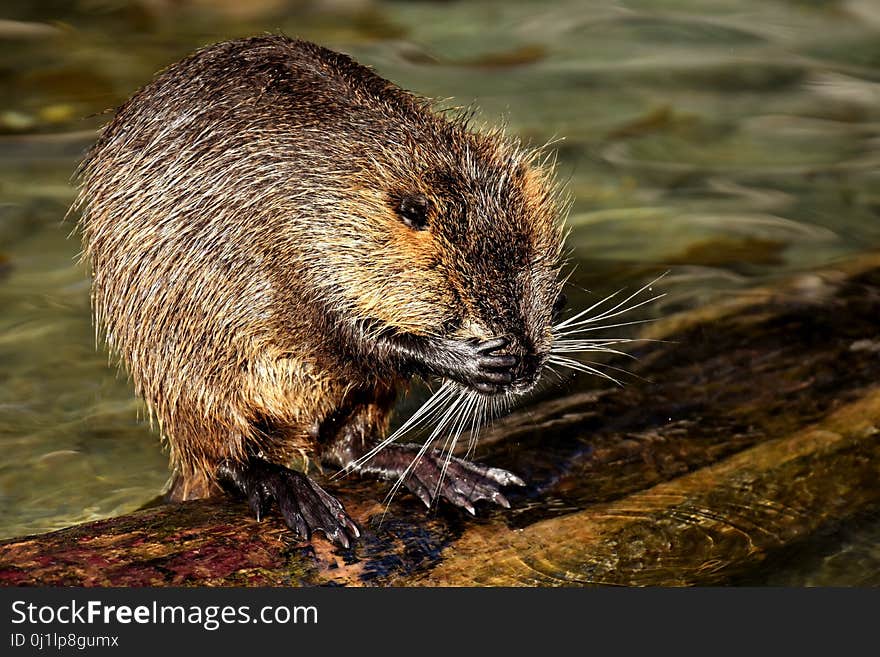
(472, 363)
(304, 505)
(463, 483)
(486, 371)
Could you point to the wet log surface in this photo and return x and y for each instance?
(758, 426)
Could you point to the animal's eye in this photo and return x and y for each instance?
(413, 209)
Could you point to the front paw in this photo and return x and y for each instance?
(477, 365)
(304, 505)
(473, 363)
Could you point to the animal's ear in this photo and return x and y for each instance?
(413, 210)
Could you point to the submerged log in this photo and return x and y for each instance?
(760, 427)
(701, 528)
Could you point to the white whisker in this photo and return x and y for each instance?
(609, 314)
(581, 367)
(438, 429)
(426, 411)
(614, 310)
(452, 439)
(586, 310)
(622, 370)
(576, 349)
(605, 326)
(601, 342)
(478, 420)
(554, 372)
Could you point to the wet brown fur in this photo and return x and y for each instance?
(239, 217)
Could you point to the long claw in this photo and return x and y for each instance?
(499, 499)
(504, 477)
(494, 344)
(437, 475)
(303, 504)
(498, 362)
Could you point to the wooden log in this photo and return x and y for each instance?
(702, 528)
(757, 427)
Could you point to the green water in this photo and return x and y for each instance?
(730, 142)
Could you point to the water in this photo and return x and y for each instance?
(728, 142)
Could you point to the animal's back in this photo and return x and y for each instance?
(184, 199)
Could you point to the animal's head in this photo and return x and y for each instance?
(456, 235)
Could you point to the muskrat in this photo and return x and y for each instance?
(280, 240)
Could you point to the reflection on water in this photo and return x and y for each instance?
(846, 557)
(728, 143)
